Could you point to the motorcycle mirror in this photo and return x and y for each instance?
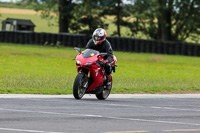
(77, 49)
(102, 54)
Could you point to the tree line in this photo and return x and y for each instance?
(167, 20)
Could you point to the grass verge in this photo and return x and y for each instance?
(34, 69)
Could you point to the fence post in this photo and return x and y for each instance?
(148, 46)
(178, 48)
(32, 38)
(79, 41)
(165, 47)
(184, 49)
(60, 39)
(16, 40)
(196, 50)
(117, 43)
(112, 41)
(124, 44)
(171, 48)
(65, 40)
(142, 46)
(21, 38)
(86, 39)
(130, 45)
(54, 38)
(74, 40)
(42, 38)
(160, 47)
(70, 40)
(137, 45)
(82, 41)
(190, 49)
(6, 37)
(37, 38)
(26, 38)
(48, 39)
(11, 37)
(1, 36)
(154, 48)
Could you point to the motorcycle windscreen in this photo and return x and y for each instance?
(89, 53)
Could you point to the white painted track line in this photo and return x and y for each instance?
(25, 130)
(100, 116)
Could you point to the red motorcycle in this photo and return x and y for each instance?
(91, 77)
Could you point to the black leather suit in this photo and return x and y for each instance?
(104, 47)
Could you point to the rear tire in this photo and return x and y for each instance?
(78, 87)
(105, 92)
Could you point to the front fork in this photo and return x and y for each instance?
(88, 77)
(85, 81)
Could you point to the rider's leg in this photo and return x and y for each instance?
(108, 71)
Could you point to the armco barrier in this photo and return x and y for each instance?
(118, 44)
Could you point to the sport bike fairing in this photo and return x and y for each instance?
(90, 56)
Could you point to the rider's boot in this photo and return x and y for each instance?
(108, 82)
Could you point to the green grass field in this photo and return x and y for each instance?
(38, 69)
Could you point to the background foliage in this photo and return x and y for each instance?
(167, 20)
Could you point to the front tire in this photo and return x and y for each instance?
(79, 87)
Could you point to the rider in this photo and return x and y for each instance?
(101, 44)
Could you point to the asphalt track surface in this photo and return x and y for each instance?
(117, 114)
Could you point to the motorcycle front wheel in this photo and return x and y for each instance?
(80, 85)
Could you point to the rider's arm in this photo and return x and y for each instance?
(109, 51)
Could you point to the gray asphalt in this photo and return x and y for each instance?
(89, 115)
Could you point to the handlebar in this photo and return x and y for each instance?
(100, 62)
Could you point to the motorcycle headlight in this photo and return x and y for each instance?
(78, 62)
(89, 63)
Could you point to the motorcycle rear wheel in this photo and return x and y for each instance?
(78, 87)
(104, 93)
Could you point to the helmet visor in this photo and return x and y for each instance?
(97, 38)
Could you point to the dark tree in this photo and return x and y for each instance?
(116, 8)
(87, 17)
(166, 19)
(62, 8)
(65, 8)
